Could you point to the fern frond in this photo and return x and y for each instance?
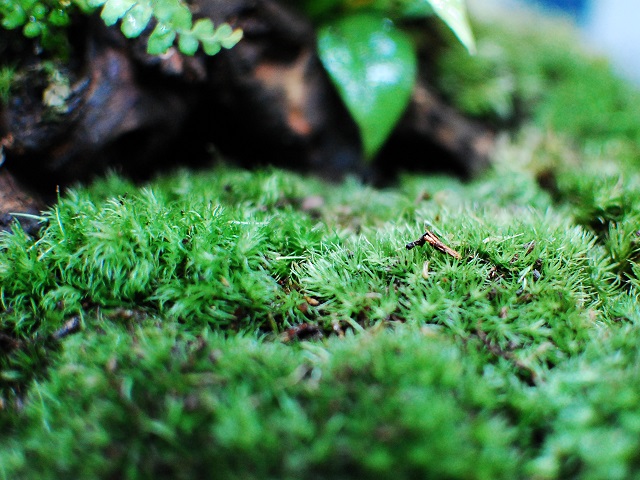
(173, 20)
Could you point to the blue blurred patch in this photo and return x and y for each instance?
(574, 7)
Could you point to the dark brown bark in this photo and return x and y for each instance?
(15, 199)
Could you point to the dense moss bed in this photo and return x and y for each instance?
(264, 324)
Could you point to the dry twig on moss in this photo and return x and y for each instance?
(431, 238)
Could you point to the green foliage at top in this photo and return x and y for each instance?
(173, 19)
(46, 20)
(42, 19)
(452, 12)
(372, 61)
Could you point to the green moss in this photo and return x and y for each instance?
(270, 325)
(7, 76)
(159, 402)
(521, 73)
(589, 407)
(162, 277)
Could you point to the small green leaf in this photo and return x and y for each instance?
(15, 18)
(135, 20)
(213, 40)
(232, 39)
(32, 29)
(182, 19)
(208, 36)
(318, 8)
(188, 43)
(454, 14)
(27, 5)
(95, 3)
(39, 11)
(114, 10)
(223, 31)
(416, 9)
(174, 14)
(59, 18)
(84, 6)
(160, 39)
(203, 28)
(373, 65)
(211, 47)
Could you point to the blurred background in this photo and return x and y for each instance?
(610, 27)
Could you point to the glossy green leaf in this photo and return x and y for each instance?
(136, 20)
(174, 14)
(373, 66)
(454, 14)
(114, 10)
(160, 39)
(188, 43)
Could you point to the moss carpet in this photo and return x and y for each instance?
(265, 324)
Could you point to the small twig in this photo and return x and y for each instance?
(431, 238)
(71, 326)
